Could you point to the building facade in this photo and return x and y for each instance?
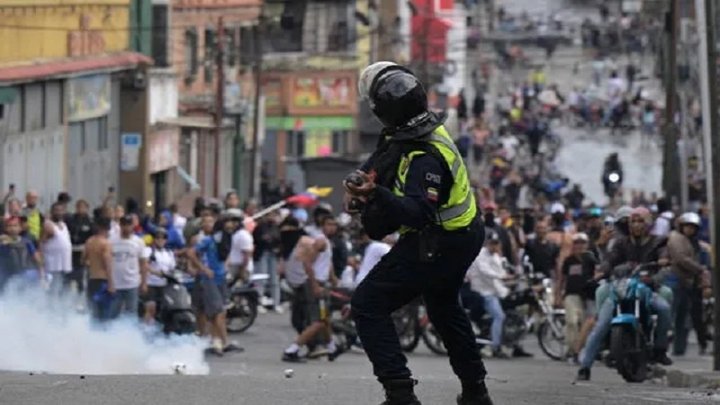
(65, 69)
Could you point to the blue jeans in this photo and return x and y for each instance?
(126, 302)
(493, 307)
(602, 327)
(268, 265)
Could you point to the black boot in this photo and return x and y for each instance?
(660, 357)
(400, 392)
(474, 393)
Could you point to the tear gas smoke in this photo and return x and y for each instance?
(46, 334)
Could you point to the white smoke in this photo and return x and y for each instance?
(45, 334)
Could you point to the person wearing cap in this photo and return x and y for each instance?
(685, 277)
(415, 183)
(639, 247)
(129, 269)
(578, 290)
(486, 275)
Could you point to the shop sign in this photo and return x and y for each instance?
(163, 150)
(88, 97)
(322, 92)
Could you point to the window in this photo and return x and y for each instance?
(296, 144)
(339, 142)
(231, 46)
(284, 31)
(247, 46)
(160, 35)
(191, 53)
(103, 133)
(2, 111)
(210, 53)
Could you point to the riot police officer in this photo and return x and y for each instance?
(415, 183)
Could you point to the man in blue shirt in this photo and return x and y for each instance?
(210, 290)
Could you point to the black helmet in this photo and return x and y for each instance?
(395, 95)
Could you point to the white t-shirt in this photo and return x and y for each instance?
(126, 261)
(242, 243)
(373, 253)
(179, 221)
(162, 261)
(323, 261)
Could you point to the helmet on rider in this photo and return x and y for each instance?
(396, 96)
(690, 218)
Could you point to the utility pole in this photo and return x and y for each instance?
(425, 42)
(706, 15)
(671, 180)
(219, 101)
(255, 158)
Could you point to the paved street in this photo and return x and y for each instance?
(256, 377)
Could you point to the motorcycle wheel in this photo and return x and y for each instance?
(433, 341)
(552, 343)
(406, 326)
(630, 360)
(241, 315)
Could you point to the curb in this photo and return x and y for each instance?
(693, 379)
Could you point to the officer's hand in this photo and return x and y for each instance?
(352, 207)
(360, 190)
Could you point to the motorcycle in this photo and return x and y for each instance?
(244, 301)
(175, 311)
(341, 323)
(612, 182)
(515, 326)
(632, 327)
(551, 329)
(407, 325)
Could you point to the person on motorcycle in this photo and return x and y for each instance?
(684, 250)
(541, 252)
(486, 275)
(612, 176)
(639, 247)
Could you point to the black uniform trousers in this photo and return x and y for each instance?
(399, 278)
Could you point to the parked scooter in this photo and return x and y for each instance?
(244, 301)
(175, 312)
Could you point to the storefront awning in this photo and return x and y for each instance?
(70, 66)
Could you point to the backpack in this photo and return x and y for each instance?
(223, 241)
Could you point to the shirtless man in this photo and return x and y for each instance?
(97, 256)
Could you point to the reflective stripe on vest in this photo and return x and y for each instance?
(460, 209)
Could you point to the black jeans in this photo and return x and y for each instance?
(399, 278)
(681, 310)
(696, 314)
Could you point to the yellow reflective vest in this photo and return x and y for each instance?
(460, 209)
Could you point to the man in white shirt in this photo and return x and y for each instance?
(373, 253)
(240, 263)
(130, 261)
(486, 274)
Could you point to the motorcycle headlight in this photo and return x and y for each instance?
(614, 177)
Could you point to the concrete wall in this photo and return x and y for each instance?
(107, 23)
(163, 94)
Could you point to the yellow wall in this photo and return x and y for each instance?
(39, 29)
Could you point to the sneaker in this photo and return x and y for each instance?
(499, 354)
(520, 352)
(335, 353)
(318, 351)
(266, 302)
(279, 309)
(292, 357)
(261, 309)
(583, 374)
(233, 347)
(662, 358)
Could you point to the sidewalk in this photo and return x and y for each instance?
(692, 371)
